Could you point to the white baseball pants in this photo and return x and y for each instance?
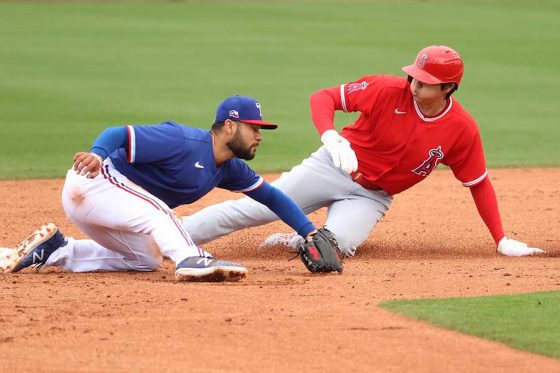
(353, 211)
(129, 228)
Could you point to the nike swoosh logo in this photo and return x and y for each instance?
(198, 165)
(399, 112)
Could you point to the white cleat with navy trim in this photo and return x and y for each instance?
(36, 249)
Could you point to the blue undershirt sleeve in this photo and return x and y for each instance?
(284, 207)
(110, 140)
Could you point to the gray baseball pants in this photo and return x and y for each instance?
(352, 211)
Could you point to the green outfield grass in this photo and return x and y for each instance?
(68, 70)
(528, 322)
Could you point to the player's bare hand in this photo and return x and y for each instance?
(87, 164)
(509, 247)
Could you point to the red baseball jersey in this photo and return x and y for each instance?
(397, 146)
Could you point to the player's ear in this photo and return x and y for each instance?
(230, 126)
(447, 87)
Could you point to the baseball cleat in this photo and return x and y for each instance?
(36, 249)
(5, 255)
(198, 268)
(291, 240)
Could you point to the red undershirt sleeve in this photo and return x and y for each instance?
(487, 205)
(323, 105)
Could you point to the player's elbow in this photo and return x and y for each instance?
(320, 96)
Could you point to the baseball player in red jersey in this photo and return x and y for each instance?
(407, 126)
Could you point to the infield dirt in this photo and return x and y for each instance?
(432, 243)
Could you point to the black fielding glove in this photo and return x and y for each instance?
(321, 253)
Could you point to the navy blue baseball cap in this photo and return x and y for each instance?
(242, 109)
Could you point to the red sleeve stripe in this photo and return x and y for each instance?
(255, 186)
(131, 144)
(113, 180)
(183, 232)
(343, 98)
(476, 181)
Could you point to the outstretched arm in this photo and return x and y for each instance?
(487, 205)
(284, 207)
(320, 252)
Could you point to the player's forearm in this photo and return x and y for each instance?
(284, 207)
(323, 105)
(109, 140)
(487, 205)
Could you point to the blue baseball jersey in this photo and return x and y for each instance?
(176, 163)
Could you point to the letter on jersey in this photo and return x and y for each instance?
(430, 164)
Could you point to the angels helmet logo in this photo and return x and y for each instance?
(234, 114)
(422, 61)
(259, 107)
(430, 164)
(353, 87)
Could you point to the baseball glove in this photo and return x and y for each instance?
(321, 253)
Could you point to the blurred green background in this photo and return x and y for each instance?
(68, 70)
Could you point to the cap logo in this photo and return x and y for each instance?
(259, 107)
(422, 61)
(234, 114)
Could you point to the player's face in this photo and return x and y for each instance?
(426, 94)
(245, 141)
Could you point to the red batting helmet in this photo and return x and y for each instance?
(436, 64)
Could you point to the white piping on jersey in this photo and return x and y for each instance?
(430, 119)
(477, 180)
(131, 144)
(342, 98)
(252, 187)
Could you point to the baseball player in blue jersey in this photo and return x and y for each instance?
(121, 194)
